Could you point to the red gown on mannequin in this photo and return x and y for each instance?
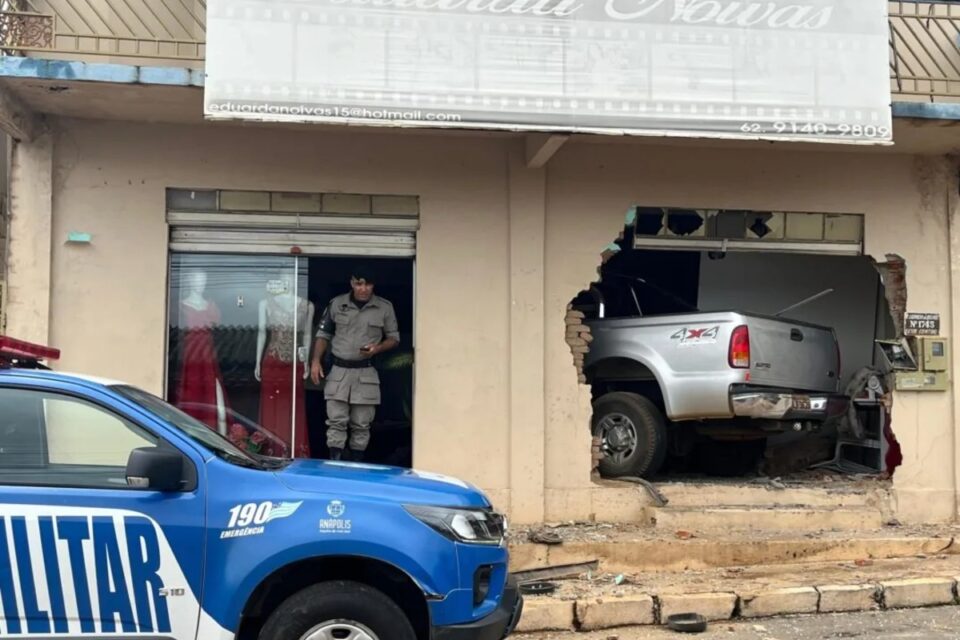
(278, 397)
(196, 392)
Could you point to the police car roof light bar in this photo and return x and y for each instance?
(17, 353)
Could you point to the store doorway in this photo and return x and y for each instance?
(240, 337)
(391, 440)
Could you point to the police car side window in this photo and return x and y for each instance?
(57, 440)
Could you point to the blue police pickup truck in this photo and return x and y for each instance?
(122, 517)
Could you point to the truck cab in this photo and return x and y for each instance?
(123, 516)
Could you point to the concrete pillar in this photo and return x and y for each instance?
(953, 328)
(30, 246)
(527, 206)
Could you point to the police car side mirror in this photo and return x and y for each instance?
(155, 468)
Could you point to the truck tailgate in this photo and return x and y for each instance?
(793, 355)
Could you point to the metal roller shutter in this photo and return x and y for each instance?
(312, 234)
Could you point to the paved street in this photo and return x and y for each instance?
(941, 623)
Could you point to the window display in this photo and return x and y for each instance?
(200, 387)
(283, 343)
(232, 347)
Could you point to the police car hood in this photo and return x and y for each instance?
(380, 482)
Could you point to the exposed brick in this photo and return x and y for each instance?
(894, 273)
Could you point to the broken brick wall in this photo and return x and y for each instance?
(893, 272)
(904, 202)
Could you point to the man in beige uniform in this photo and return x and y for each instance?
(358, 325)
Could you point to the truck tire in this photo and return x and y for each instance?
(633, 435)
(338, 609)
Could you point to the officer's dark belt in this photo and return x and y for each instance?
(351, 364)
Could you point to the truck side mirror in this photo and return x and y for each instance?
(155, 468)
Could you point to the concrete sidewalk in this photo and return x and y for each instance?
(909, 624)
(605, 600)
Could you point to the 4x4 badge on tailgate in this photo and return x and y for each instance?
(701, 335)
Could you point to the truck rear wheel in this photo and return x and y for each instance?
(633, 435)
(338, 610)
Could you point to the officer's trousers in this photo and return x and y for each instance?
(352, 397)
(355, 418)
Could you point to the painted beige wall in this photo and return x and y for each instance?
(501, 251)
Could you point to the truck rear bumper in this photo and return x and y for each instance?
(786, 405)
(496, 626)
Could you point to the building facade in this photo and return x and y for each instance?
(117, 184)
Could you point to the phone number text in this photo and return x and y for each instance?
(817, 129)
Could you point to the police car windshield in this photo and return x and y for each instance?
(192, 428)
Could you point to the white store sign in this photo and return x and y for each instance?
(798, 69)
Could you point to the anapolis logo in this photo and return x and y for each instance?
(336, 523)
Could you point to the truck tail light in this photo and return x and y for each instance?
(739, 356)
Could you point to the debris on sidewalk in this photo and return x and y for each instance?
(558, 572)
(655, 494)
(542, 536)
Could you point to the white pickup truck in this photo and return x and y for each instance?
(668, 382)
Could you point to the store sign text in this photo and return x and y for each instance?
(718, 12)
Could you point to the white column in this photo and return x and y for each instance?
(527, 203)
(30, 246)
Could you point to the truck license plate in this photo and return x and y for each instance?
(802, 404)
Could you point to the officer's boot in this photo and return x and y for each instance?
(336, 453)
(356, 456)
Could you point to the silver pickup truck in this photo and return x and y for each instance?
(666, 382)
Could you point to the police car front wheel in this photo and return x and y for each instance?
(338, 610)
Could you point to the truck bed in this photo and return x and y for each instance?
(688, 355)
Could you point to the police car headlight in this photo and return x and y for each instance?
(475, 526)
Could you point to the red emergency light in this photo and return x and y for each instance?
(20, 352)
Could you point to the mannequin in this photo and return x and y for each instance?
(283, 346)
(200, 387)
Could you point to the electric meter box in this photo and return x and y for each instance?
(933, 354)
(930, 373)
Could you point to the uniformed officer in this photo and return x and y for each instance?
(358, 325)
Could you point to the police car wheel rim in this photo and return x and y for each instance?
(340, 630)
